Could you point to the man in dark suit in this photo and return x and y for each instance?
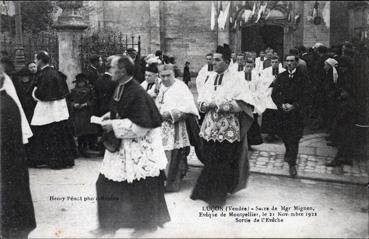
(104, 90)
(92, 72)
(290, 96)
(139, 73)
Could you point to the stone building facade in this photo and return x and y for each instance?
(182, 28)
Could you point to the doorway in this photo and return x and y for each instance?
(257, 37)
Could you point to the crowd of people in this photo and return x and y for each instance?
(146, 120)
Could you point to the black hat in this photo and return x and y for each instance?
(158, 53)
(43, 56)
(225, 51)
(152, 68)
(80, 77)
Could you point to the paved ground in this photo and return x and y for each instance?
(338, 195)
(267, 158)
(341, 209)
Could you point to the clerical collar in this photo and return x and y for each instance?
(119, 90)
(45, 66)
(219, 79)
(123, 83)
(248, 75)
(292, 72)
(210, 67)
(240, 67)
(108, 73)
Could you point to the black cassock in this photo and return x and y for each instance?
(24, 92)
(17, 212)
(53, 143)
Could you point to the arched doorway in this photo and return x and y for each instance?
(259, 37)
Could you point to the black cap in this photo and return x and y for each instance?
(43, 56)
(152, 68)
(80, 77)
(225, 51)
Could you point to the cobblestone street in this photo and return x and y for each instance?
(267, 158)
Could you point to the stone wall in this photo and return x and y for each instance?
(314, 33)
(339, 23)
(182, 28)
(187, 33)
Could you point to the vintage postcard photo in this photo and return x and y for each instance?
(184, 119)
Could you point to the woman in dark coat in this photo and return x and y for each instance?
(82, 103)
(24, 85)
(186, 73)
(17, 212)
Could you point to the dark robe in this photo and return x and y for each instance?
(24, 92)
(141, 203)
(186, 75)
(139, 74)
(81, 117)
(52, 144)
(104, 91)
(51, 85)
(17, 212)
(226, 165)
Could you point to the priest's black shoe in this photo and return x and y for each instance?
(293, 171)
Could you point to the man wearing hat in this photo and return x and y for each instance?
(225, 100)
(152, 81)
(92, 72)
(53, 141)
(139, 73)
(104, 89)
(83, 102)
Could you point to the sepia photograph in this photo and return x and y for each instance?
(184, 119)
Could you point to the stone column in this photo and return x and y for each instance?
(154, 26)
(19, 50)
(224, 35)
(69, 28)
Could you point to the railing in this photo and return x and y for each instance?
(32, 44)
(106, 44)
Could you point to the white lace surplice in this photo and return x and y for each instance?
(220, 127)
(176, 98)
(141, 153)
(47, 112)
